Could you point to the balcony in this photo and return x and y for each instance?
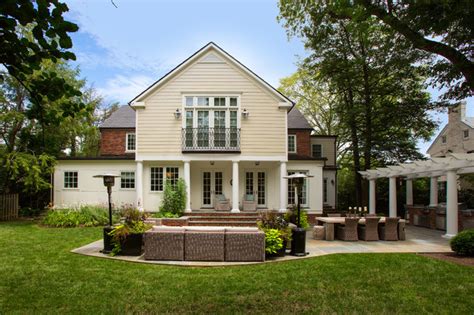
(205, 139)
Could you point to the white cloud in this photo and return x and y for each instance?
(123, 89)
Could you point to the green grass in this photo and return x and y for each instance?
(39, 275)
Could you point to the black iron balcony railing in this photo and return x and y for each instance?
(205, 139)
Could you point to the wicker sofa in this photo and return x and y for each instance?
(204, 243)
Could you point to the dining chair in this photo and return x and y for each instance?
(348, 232)
(389, 230)
(369, 231)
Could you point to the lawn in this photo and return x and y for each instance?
(38, 274)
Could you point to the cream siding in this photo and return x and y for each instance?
(327, 147)
(262, 133)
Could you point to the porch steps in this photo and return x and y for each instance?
(222, 223)
(214, 218)
(221, 213)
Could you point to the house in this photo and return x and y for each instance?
(217, 125)
(457, 136)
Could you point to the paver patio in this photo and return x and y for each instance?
(419, 240)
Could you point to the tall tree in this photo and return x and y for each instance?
(441, 28)
(380, 90)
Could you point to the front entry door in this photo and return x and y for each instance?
(255, 184)
(211, 185)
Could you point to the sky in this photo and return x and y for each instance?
(122, 50)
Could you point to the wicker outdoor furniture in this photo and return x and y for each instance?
(389, 230)
(369, 231)
(348, 232)
(164, 243)
(401, 230)
(205, 244)
(221, 203)
(249, 202)
(244, 244)
(319, 232)
(334, 215)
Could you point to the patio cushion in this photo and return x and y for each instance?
(221, 197)
(205, 228)
(240, 229)
(249, 197)
(165, 228)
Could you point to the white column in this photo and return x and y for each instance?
(187, 180)
(451, 204)
(139, 185)
(392, 198)
(283, 187)
(235, 186)
(409, 188)
(372, 196)
(434, 192)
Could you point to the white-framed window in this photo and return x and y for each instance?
(465, 134)
(158, 176)
(325, 190)
(317, 150)
(130, 142)
(291, 190)
(292, 143)
(70, 179)
(443, 139)
(127, 180)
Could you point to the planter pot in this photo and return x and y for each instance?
(132, 245)
(280, 253)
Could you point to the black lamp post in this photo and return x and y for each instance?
(109, 182)
(298, 241)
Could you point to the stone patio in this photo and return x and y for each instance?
(419, 240)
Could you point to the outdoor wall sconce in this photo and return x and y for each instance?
(245, 113)
(211, 162)
(109, 182)
(332, 182)
(257, 163)
(177, 114)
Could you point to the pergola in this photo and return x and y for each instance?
(450, 166)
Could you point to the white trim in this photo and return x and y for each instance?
(70, 188)
(138, 105)
(210, 157)
(134, 180)
(296, 146)
(138, 100)
(164, 167)
(126, 142)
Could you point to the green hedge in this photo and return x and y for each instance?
(83, 216)
(463, 243)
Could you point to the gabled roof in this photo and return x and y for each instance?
(296, 120)
(201, 52)
(123, 117)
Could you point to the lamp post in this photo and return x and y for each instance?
(109, 182)
(298, 241)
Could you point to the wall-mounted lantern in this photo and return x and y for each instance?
(245, 113)
(177, 113)
(109, 182)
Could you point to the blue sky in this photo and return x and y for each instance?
(121, 51)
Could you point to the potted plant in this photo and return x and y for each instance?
(276, 231)
(127, 237)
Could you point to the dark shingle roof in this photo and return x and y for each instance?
(123, 117)
(296, 120)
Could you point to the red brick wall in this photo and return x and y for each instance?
(112, 141)
(303, 141)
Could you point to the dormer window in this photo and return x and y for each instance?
(291, 143)
(130, 142)
(317, 150)
(443, 139)
(465, 134)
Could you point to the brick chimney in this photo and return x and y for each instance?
(457, 112)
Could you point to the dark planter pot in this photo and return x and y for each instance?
(280, 253)
(132, 245)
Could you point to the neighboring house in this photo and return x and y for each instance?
(457, 136)
(217, 125)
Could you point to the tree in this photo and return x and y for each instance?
(442, 28)
(318, 104)
(379, 87)
(30, 33)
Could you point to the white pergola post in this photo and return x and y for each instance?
(434, 191)
(451, 204)
(372, 196)
(139, 185)
(392, 197)
(283, 187)
(187, 180)
(235, 186)
(409, 188)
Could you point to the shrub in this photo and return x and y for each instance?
(273, 241)
(274, 220)
(292, 216)
(165, 215)
(83, 216)
(463, 243)
(174, 197)
(133, 223)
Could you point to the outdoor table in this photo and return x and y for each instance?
(330, 222)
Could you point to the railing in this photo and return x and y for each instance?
(205, 139)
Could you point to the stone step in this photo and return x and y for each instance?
(222, 223)
(223, 218)
(220, 213)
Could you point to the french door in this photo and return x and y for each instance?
(212, 184)
(255, 184)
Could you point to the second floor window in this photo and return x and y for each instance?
(317, 150)
(292, 143)
(465, 133)
(130, 143)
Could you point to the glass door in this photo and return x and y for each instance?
(219, 128)
(212, 185)
(203, 128)
(255, 184)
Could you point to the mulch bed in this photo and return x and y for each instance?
(452, 257)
